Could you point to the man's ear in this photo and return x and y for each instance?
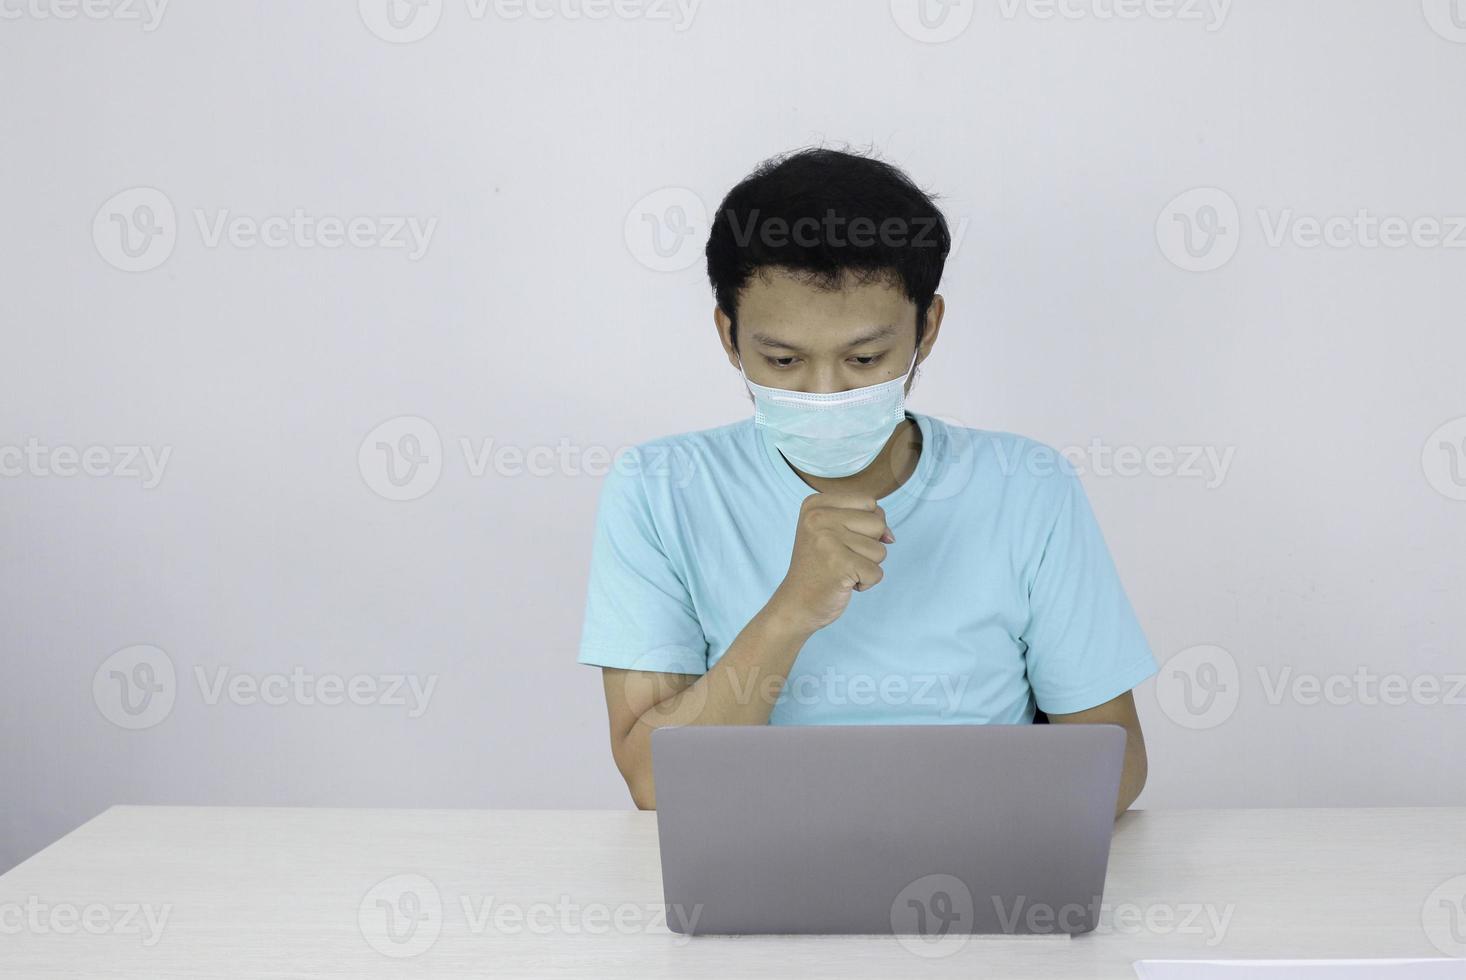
(934, 314)
(725, 334)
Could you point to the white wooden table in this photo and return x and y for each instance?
(175, 892)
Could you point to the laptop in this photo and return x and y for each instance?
(926, 830)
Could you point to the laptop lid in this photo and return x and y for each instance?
(923, 830)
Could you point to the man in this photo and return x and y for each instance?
(839, 559)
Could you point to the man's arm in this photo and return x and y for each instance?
(740, 689)
(839, 544)
(1119, 711)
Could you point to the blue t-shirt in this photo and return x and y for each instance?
(998, 592)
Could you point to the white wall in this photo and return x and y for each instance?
(541, 314)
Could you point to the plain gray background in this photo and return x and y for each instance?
(562, 163)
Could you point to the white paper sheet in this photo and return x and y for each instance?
(1430, 969)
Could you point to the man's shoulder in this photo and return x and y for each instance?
(716, 441)
(679, 458)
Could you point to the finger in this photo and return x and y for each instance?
(866, 547)
(851, 501)
(872, 525)
(864, 573)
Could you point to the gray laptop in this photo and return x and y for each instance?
(928, 830)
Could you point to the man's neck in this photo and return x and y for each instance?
(892, 466)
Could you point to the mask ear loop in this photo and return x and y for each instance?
(909, 381)
(910, 378)
(747, 385)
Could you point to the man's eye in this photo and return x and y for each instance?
(866, 360)
(780, 362)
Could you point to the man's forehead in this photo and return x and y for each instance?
(777, 278)
(786, 309)
(779, 296)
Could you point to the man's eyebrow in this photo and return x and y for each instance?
(879, 333)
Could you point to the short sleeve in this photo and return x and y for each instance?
(1084, 643)
(638, 613)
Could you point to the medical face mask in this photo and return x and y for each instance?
(831, 434)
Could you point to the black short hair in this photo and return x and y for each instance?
(823, 213)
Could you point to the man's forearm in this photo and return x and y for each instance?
(1132, 777)
(740, 689)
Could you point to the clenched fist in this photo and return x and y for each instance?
(838, 549)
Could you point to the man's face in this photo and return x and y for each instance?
(797, 336)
